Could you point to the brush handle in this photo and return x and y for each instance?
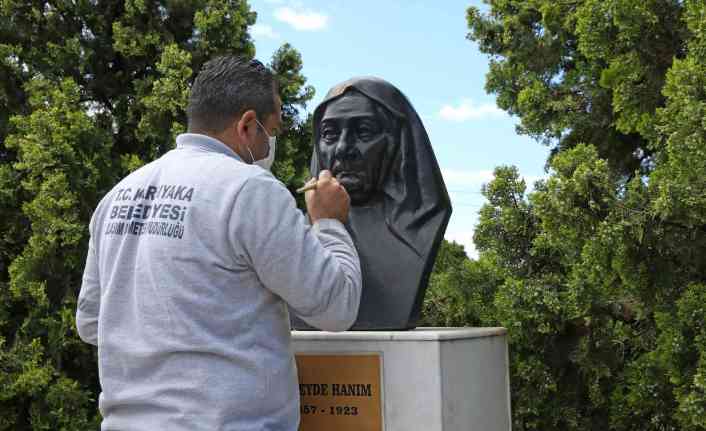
(307, 187)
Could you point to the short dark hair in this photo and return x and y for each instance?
(225, 88)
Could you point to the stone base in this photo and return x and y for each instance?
(433, 379)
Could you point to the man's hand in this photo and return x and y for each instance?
(328, 200)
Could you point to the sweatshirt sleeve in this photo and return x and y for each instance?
(314, 269)
(89, 297)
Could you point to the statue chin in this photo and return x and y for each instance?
(357, 192)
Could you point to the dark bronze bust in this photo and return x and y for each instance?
(369, 135)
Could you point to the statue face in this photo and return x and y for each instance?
(352, 141)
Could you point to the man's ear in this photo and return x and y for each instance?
(246, 125)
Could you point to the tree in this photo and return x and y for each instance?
(460, 291)
(91, 90)
(599, 273)
(586, 71)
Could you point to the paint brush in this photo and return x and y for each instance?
(311, 185)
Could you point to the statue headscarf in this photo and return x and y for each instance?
(410, 179)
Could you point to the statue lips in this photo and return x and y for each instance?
(350, 179)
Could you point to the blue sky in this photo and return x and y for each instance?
(421, 48)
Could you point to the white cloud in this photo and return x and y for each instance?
(263, 30)
(302, 20)
(455, 178)
(465, 238)
(467, 110)
(531, 179)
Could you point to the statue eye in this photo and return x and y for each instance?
(329, 133)
(366, 130)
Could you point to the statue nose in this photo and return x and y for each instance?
(345, 146)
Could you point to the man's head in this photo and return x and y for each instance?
(355, 136)
(228, 99)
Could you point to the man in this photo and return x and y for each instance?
(192, 261)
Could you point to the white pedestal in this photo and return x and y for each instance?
(433, 379)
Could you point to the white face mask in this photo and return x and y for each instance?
(266, 163)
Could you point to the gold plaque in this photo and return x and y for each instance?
(340, 392)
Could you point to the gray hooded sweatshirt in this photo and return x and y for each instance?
(192, 262)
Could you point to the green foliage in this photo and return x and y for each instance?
(88, 92)
(460, 290)
(294, 144)
(586, 71)
(682, 353)
(599, 273)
